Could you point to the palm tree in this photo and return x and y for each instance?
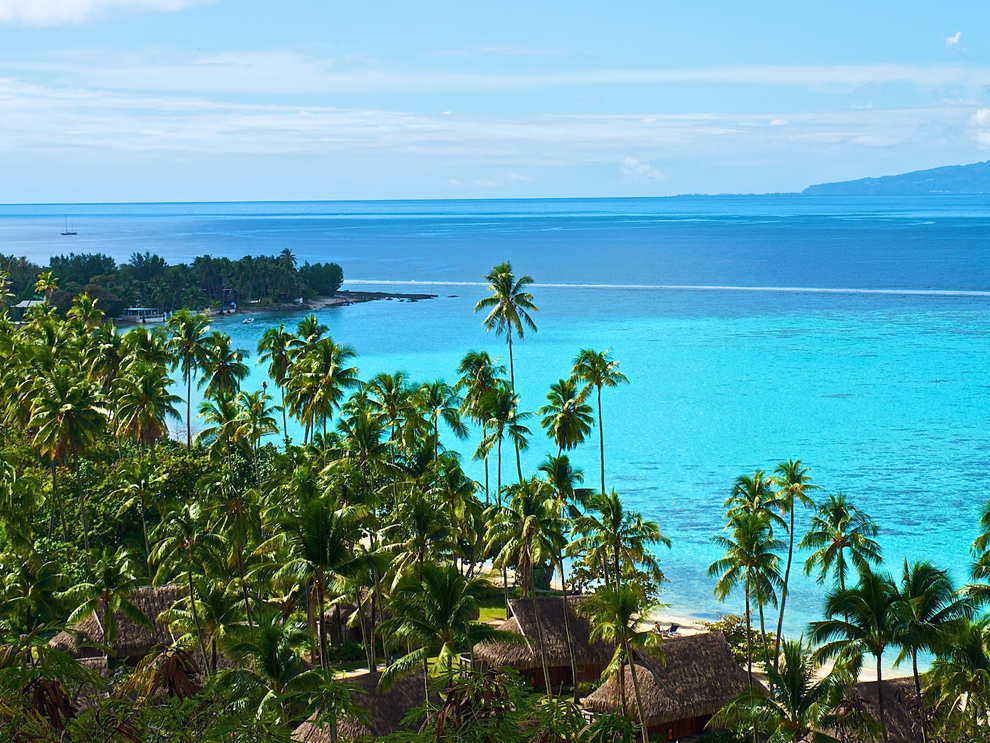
(749, 559)
(799, 703)
(217, 610)
(222, 416)
(275, 349)
(615, 614)
(597, 369)
(47, 284)
(566, 417)
(315, 539)
(614, 539)
(256, 422)
(928, 611)
(434, 615)
(442, 401)
(186, 547)
(480, 374)
(504, 419)
(959, 680)
(321, 374)
(224, 367)
(527, 532)
(190, 351)
(868, 624)
(139, 481)
(106, 594)
(67, 417)
(755, 495)
(509, 306)
(793, 483)
(144, 404)
(839, 527)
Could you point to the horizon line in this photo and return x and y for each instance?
(697, 287)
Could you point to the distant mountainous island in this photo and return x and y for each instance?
(951, 179)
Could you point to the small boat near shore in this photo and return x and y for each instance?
(247, 320)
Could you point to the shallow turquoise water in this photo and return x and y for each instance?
(885, 397)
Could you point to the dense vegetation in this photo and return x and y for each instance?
(147, 280)
(372, 509)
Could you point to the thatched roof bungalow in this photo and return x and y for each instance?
(133, 641)
(900, 706)
(591, 657)
(680, 690)
(384, 710)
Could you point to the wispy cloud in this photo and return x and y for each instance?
(55, 12)
(953, 41)
(291, 73)
(633, 168)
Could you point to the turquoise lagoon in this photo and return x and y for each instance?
(883, 393)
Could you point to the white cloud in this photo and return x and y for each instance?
(55, 12)
(981, 121)
(635, 169)
(779, 122)
(951, 41)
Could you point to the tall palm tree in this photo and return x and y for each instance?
(793, 483)
(928, 610)
(144, 404)
(614, 539)
(755, 495)
(509, 306)
(480, 374)
(863, 619)
(224, 367)
(750, 559)
(138, 483)
(275, 349)
(321, 375)
(615, 614)
(188, 342)
(442, 402)
(838, 528)
(314, 540)
(566, 417)
(222, 416)
(106, 594)
(186, 546)
(217, 608)
(67, 415)
(527, 532)
(256, 422)
(598, 369)
(504, 419)
(435, 615)
(800, 700)
(959, 680)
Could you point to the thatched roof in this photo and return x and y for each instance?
(899, 706)
(698, 678)
(133, 640)
(525, 656)
(384, 710)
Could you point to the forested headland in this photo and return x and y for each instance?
(146, 279)
(276, 567)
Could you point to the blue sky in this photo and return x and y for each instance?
(183, 100)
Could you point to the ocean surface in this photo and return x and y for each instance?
(849, 333)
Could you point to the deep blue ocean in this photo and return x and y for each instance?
(882, 387)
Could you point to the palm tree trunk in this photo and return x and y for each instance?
(783, 590)
(322, 619)
(82, 514)
(195, 611)
(244, 593)
(763, 633)
(285, 419)
(484, 435)
(567, 630)
(364, 633)
(539, 622)
(917, 689)
(601, 438)
(639, 701)
(883, 719)
(512, 382)
(58, 502)
(749, 648)
(189, 408)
